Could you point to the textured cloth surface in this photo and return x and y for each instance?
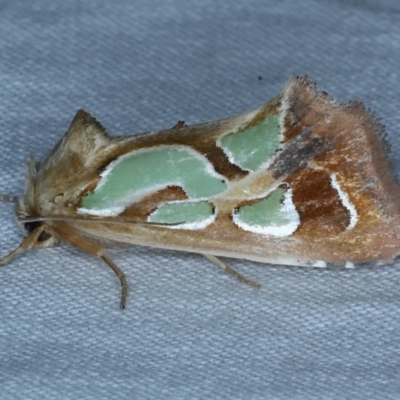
(189, 330)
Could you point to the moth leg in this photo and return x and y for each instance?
(122, 278)
(26, 244)
(74, 237)
(216, 261)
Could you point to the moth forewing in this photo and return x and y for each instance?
(299, 181)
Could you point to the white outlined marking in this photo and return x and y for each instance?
(195, 225)
(120, 204)
(288, 209)
(346, 202)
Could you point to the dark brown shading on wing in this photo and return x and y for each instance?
(299, 151)
(359, 155)
(318, 203)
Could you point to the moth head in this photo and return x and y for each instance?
(33, 225)
(37, 235)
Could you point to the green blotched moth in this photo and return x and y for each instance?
(301, 180)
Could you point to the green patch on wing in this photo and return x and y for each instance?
(251, 147)
(183, 212)
(143, 172)
(275, 215)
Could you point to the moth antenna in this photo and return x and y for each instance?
(12, 199)
(26, 244)
(86, 219)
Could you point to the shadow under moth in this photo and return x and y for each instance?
(301, 180)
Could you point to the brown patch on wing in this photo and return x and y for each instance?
(318, 203)
(298, 152)
(302, 112)
(220, 161)
(141, 209)
(358, 155)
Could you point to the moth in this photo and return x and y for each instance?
(301, 180)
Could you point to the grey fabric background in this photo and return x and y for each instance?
(189, 330)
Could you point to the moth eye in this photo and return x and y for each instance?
(31, 226)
